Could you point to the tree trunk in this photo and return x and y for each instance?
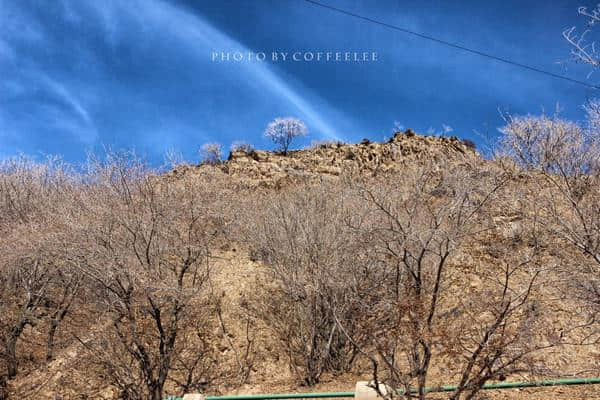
(50, 344)
(11, 355)
(3, 388)
(11, 348)
(156, 391)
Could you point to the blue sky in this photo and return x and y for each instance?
(76, 75)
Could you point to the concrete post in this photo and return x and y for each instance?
(365, 390)
(193, 396)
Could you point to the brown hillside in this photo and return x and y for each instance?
(238, 275)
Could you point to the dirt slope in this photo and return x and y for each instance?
(68, 377)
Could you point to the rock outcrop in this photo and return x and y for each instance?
(331, 160)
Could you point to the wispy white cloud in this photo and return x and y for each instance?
(24, 77)
(82, 125)
(61, 91)
(108, 71)
(72, 115)
(200, 38)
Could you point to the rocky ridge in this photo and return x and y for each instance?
(331, 160)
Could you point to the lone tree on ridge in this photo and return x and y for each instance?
(283, 130)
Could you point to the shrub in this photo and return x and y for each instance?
(239, 145)
(210, 153)
(323, 144)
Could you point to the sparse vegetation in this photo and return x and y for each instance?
(302, 239)
(414, 318)
(39, 275)
(454, 271)
(147, 246)
(562, 159)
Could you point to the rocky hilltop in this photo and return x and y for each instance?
(330, 160)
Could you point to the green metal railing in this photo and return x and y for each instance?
(515, 385)
(282, 396)
(444, 388)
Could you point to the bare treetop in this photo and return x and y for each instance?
(583, 49)
(283, 130)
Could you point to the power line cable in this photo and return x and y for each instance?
(450, 44)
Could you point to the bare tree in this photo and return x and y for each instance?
(148, 253)
(282, 131)
(567, 157)
(582, 48)
(173, 159)
(300, 237)
(38, 282)
(414, 315)
(563, 159)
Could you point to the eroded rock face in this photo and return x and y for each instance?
(329, 161)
